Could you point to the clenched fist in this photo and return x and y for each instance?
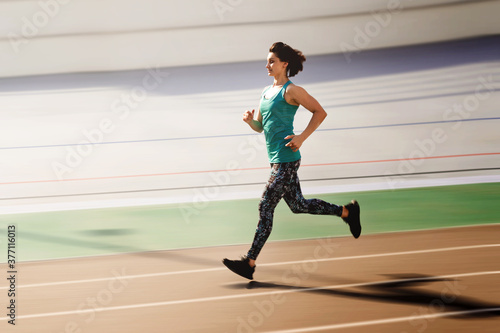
(248, 116)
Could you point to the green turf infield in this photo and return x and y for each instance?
(132, 229)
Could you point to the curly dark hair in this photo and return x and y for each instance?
(286, 53)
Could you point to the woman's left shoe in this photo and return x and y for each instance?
(353, 219)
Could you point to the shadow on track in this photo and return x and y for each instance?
(401, 290)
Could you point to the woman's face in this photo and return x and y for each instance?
(275, 66)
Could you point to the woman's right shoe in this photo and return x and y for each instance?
(240, 267)
(353, 219)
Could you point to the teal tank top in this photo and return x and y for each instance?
(277, 121)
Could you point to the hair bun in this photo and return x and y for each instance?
(286, 53)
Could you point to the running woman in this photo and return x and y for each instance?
(278, 105)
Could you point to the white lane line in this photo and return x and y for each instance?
(369, 256)
(214, 269)
(227, 297)
(385, 321)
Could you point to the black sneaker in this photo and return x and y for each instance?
(353, 218)
(240, 267)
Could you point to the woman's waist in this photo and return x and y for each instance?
(278, 136)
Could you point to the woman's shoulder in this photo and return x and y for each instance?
(294, 89)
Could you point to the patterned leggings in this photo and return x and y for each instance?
(284, 183)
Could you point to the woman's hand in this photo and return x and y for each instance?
(248, 116)
(295, 143)
(256, 125)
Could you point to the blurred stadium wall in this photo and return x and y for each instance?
(67, 36)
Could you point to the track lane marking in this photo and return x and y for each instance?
(227, 297)
(214, 269)
(385, 321)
